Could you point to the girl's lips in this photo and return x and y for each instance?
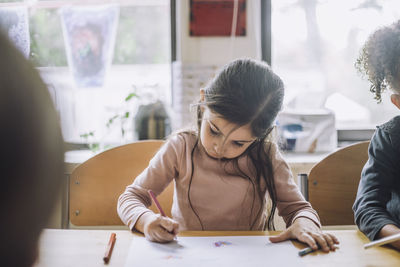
(213, 155)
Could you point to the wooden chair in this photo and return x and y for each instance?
(96, 184)
(333, 183)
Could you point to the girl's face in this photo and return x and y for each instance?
(221, 138)
(395, 98)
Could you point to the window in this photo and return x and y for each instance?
(140, 61)
(315, 44)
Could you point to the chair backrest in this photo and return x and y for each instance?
(333, 183)
(96, 184)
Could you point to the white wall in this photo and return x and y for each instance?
(218, 50)
(199, 58)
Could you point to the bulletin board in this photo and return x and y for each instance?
(214, 18)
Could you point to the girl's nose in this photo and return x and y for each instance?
(216, 148)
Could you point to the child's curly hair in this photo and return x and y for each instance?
(379, 59)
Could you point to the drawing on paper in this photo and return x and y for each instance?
(172, 257)
(222, 243)
(221, 251)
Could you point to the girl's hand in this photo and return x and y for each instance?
(305, 230)
(160, 229)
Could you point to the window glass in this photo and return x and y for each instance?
(315, 44)
(139, 71)
(47, 42)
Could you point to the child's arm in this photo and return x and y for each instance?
(378, 179)
(157, 228)
(306, 231)
(301, 219)
(388, 230)
(133, 209)
(290, 202)
(134, 202)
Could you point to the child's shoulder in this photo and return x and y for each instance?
(392, 126)
(274, 153)
(389, 131)
(183, 138)
(279, 165)
(178, 143)
(271, 147)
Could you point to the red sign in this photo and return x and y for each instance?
(215, 17)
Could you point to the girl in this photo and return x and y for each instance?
(377, 206)
(226, 171)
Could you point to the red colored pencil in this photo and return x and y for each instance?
(110, 247)
(153, 196)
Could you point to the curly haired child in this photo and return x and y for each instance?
(377, 206)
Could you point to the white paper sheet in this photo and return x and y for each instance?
(213, 251)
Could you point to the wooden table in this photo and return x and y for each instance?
(86, 248)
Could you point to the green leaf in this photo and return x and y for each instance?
(126, 114)
(111, 120)
(94, 147)
(129, 97)
(86, 135)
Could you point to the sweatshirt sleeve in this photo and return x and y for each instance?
(162, 169)
(378, 177)
(290, 202)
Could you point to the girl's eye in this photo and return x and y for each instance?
(238, 144)
(213, 132)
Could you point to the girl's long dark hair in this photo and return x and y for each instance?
(244, 92)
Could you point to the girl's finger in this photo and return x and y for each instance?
(281, 237)
(166, 224)
(158, 238)
(168, 236)
(329, 240)
(334, 238)
(321, 241)
(169, 224)
(150, 236)
(163, 236)
(308, 239)
(176, 228)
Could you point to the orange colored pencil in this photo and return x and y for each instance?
(110, 247)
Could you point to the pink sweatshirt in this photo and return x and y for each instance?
(222, 201)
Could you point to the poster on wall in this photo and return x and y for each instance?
(215, 17)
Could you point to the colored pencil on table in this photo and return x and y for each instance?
(383, 241)
(110, 247)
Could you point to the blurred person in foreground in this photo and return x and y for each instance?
(31, 157)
